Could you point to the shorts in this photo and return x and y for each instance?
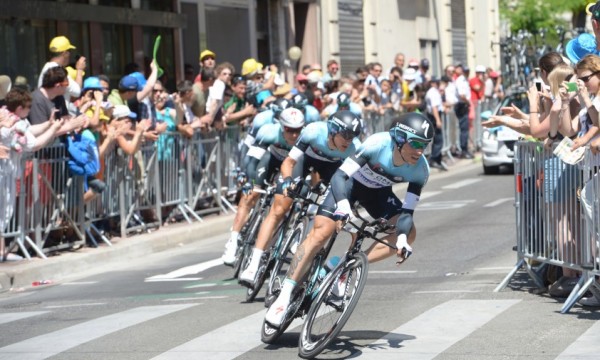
(379, 202)
(561, 180)
(325, 169)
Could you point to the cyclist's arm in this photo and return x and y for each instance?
(254, 155)
(405, 221)
(340, 179)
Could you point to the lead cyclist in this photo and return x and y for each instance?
(384, 159)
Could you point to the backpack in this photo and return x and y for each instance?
(84, 159)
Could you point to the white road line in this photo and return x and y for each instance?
(10, 317)
(72, 305)
(498, 268)
(172, 280)
(444, 205)
(189, 270)
(461, 183)
(585, 347)
(392, 271)
(199, 286)
(428, 194)
(434, 331)
(79, 283)
(446, 291)
(47, 345)
(498, 202)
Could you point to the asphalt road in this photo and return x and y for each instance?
(182, 304)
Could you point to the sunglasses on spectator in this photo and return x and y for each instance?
(588, 77)
(303, 82)
(158, 90)
(292, 130)
(418, 145)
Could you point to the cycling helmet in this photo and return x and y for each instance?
(299, 101)
(292, 118)
(346, 122)
(343, 100)
(92, 83)
(279, 105)
(412, 127)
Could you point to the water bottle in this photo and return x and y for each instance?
(329, 265)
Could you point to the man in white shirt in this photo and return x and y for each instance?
(461, 109)
(60, 47)
(433, 99)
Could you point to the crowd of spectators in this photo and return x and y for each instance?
(91, 118)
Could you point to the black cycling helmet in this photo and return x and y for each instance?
(343, 100)
(279, 105)
(412, 127)
(346, 122)
(299, 101)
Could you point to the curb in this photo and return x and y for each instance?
(23, 273)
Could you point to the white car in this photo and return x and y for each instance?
(498, 144)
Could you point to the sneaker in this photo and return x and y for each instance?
(591, 301)
(562, 287)
(229, 254)
(277, 312)
(248, 278)
(438, 165)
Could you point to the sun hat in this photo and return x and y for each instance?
(581, 46)
(121, 111)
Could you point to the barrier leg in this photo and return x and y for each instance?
(512, 273)
(577, 293)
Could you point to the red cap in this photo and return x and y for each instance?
(494, 74)
(301, 77)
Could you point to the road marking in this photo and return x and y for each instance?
(498, 202)
(585, 347)
(392, 271)
(10, 317)
(47, 345)
(199, 285)
(499, 268)
(463, 183)
(80, 283)
(445, 291)
(428, 194)
(72, 305)
(444, 205)
(171, 280)
(189, 270)
(434, 331)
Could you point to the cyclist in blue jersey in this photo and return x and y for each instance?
(248, 202)
(273, 142)
(342, 102)
(384, 159)
(300, 102)
(322, 146)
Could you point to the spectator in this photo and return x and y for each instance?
(399, 86)
(372, 80)
(362, 73)
(435, 107)
(200, 89)
(18, 135)
(301, 85)
(237, 109)
(253, 71)
(207, 60)
(332, 71)
(167, 118)
(398, 62)
(60, 50)
(477, 84)
(91, 101)
(410, 101)
(48, 102)
(105, 83)
(185, 96)
(305, 70)
(214, 102)
(461, 109)
(423, 71)
(129, 141)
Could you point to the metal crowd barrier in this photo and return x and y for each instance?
(181, 176)
(554, 227)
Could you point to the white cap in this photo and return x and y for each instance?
(479, 69)
(409, 74)
(121, 111)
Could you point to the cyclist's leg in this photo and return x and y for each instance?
(378, 252)
(247, 202)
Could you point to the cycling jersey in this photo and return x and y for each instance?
(314, 142)
(311, 114)
(260, 119)
(270, 149)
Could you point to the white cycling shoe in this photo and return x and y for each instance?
(229, 254)
(248, 277)
(277, 312)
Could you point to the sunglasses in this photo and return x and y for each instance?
(417, 145)
(588, 77)
(157, 90)
(292, 130)
(305, 83)
(347, 135)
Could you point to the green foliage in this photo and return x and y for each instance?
(532, 15)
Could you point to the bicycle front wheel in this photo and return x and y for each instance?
(331, 309)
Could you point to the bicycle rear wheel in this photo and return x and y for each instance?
(266, 264)
(245, 251)
(328, 314)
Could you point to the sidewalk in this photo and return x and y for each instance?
(21, 274)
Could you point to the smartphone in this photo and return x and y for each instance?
(571, 86)
(538, 85)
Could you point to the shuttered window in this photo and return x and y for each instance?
(352, 37)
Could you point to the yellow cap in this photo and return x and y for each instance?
(251, 66)
(72, 73)
(60, 44)
(206, 53)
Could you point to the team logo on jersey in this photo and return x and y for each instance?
(398, 178)
(392, 200)
(261, 171)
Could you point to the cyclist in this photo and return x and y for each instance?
(326, 145)
(300, 102)
(249, 201)
(273, 142)
(342, 102)
(384, 159)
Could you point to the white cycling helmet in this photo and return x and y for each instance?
(292, 118)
